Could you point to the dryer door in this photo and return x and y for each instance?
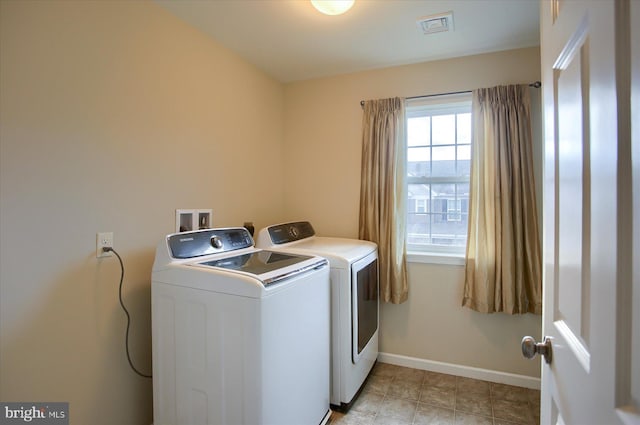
(364, 302)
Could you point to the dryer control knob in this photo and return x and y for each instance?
(216, 242)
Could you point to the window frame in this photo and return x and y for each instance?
(438, 105)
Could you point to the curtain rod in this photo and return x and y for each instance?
(535, 84)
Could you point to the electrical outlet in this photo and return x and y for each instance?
(103, 240)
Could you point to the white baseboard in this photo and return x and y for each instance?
(459, 370)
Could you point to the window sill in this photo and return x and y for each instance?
(435, 258)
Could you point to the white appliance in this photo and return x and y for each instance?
(354, 301)
(240, 335)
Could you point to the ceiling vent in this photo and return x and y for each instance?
(436, 23)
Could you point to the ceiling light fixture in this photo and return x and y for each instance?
(332, 7)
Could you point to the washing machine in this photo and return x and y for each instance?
(240, 335)
(354, 301)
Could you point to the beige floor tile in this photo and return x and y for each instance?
(474, 403)
(509, 392)
(384, 420)
(408, 374)
(368, 403)
(440, 380)
(472, 386)
(442, 397)
(405, 389)
(503, 422)
(535, 414)
(351, 418)
(427, 414)
(533, 394)
(398, 409)
(534, 398)
(384, 369)
(378, 384)
(467, 419)
(513, 411)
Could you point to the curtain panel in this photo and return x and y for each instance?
(383, 192)
(503, 257)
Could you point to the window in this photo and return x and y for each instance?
(421, 205)
(438, 168)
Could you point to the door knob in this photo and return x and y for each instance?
(530, 348)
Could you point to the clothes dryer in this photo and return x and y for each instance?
(240, 335)
(354, 301)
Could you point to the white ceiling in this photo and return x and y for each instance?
(290, 40)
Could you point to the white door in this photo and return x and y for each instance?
(591, 290)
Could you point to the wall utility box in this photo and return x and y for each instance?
(187, 220)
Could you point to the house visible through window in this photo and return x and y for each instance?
(438, 168)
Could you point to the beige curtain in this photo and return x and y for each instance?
(383, 192)
(503, 261)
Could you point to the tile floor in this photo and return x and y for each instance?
(400, 395)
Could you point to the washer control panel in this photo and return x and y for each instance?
(209, 241)
(290, 232)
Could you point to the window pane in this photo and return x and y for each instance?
(444, 129)
(418, 192)
(441, 194)
(460, 229)
(444, 191)
(419, 223)
(444, 153)
(418, 131)
(464, 152)
(464, 160)
(418, 229)
(464, 128)
(418, 169)
(444, 161)
(448, 224)
(419, 154)
(462, 190)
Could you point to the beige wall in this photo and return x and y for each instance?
(113, 114)
(432, 325)
(322, 153)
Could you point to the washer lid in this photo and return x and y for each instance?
(267, 266)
